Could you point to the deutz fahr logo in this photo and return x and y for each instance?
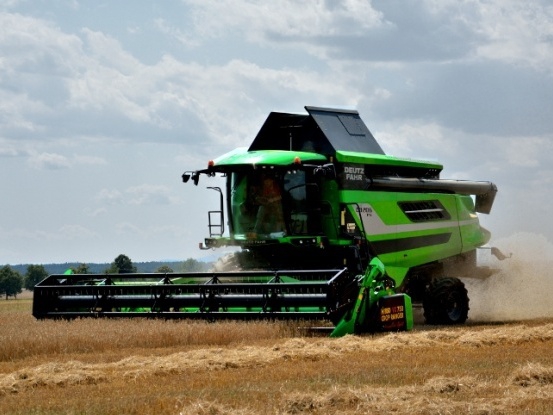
(353, 177)
(354, 173)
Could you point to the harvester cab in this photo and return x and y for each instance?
(328, 227)
(284, 199)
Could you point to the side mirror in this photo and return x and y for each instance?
(187, 175)
(326, 170)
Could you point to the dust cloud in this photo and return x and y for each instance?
(521, 287)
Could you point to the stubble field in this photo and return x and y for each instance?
(501, 362)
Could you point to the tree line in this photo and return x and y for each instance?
(12, 282)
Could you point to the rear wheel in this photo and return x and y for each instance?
(446, 302)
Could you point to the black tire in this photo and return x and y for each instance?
(446, 302)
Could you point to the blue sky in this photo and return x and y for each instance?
(103, 105)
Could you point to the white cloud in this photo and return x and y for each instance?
(506, 30)
(127, 228)
(88, 160)
(110, 197)
(106, 51)
(286, 18)
(95, 212)
(100, 79)
(64, 232)
(516, 32)
(172, 31)
(48, 161)
(75, 231)
(416, 138)
(528, 151)
(147, 194)
(28, 43)
(8, 4)
(8, 149)
(36, 58)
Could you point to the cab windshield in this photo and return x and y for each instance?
(272, 204)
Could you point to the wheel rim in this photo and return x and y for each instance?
(454, 311)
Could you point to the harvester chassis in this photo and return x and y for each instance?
(362, 235)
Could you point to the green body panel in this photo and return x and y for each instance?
(241, 156)
(384, 160)
(403, 244)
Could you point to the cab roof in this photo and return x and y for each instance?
(321, 130)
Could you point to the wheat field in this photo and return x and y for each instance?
(95, 366)
(501, 362)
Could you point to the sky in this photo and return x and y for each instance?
(104, 104)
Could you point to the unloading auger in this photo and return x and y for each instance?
(329, 228)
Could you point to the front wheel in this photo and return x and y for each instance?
(446, 302)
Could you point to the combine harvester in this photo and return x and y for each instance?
(329, 228)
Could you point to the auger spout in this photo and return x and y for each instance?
(484, 191)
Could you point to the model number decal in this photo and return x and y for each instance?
(365, 210)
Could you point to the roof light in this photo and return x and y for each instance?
(210, 163)
(297, 160)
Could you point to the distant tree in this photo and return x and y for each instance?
(121, 265)
(34, 274)
(80, 269)
(192, 265)
(165, 269)
(11, 282)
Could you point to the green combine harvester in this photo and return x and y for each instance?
(329, 228)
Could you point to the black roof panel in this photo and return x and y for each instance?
(322, 130)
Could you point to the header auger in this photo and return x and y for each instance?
(329, 227)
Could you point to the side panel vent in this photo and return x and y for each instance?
(423, 211)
